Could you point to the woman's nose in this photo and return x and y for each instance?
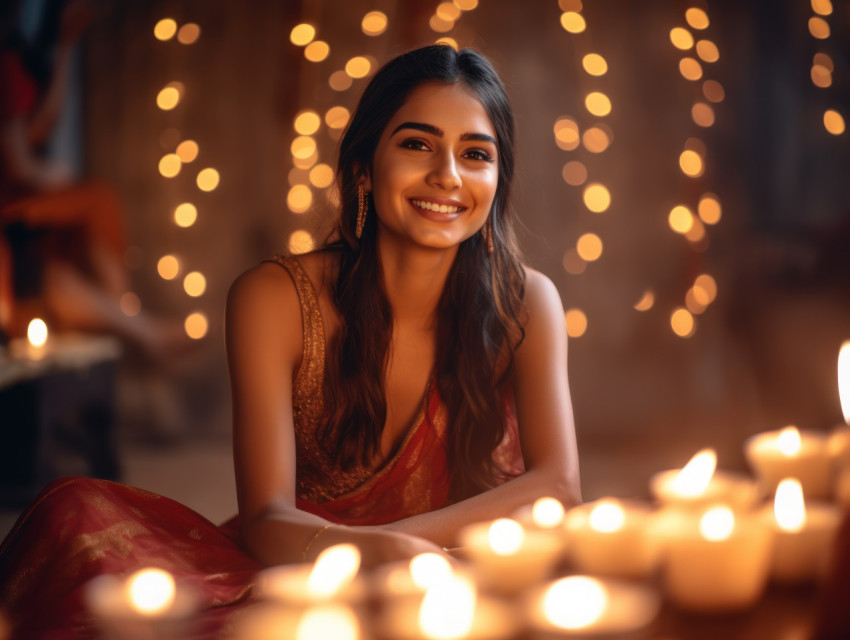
(445, 172)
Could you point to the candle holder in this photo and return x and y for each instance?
(790, 453)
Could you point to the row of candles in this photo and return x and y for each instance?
(709, 543)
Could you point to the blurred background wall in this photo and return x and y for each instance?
(725, 112)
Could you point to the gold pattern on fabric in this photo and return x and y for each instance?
(93, 546)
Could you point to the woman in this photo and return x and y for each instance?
(382, 386)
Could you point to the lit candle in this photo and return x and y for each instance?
(507, 557)
(544, 513)
(839, 441)
(699, 484)
(413, 578)
(804, 534)
(147, 604)
(715, 561)
(581, 605)
(334, 576)
(790, 453)
(37, 335)
(614, 538)
(271, 621)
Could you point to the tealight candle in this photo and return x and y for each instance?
(507, 557)
(804, 534)
(790, 453)
(270, 621)
(715, 561)
(37, 335)
(610, 537)
(544, 513)
(698, 484)
(413, 578)
(582, 605)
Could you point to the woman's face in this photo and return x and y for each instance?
(435, 169)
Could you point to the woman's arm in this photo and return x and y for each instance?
(264, 347)
(545, 418)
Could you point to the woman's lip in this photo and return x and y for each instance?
(452, 207)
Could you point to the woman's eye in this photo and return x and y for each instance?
(415, 144)
(479, 154)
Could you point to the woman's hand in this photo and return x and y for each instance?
(377, 545)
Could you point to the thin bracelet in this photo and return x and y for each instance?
(319, 532)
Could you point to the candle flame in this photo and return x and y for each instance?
(844, 379)
(695, 476)
(428, 569)
(334, 569)
(575, 602)
(151, 591)
(547, 513)
(37, 332)
(717, 524)
(789, 442)
(789, 507)
(607, 516)
(505, 536)
(328, 621)
(448, 609)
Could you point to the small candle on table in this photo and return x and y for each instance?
(839, 440)
(791, 453)
(271, 621)
(413, 578)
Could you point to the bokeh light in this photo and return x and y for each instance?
(589, 247)
(573, 22)
(194, 284)
(299, 199)
(822, 7)
(705, 287)
(566, 133)
(187, 151)
(696, 233)
(207, 179)
(709, 209)
(466, 5)
(189, 33)
(165, 29)
(574, 173)
(303, 147)
(594, 64)
(321, 176)
(819, 28)
(680, 219)
(168, 97)
(170, 165)
(168, 267)
(302, 34)
(682, 322)
(337, 117)
(358, 67)
(690, 69)
(834, 122)
(374, 23)
(196, 325)
(697, 18)
(307, 123)
(306, 163)
(317, 51)
(340, 81)
(713, 91)
(301, 241)
(702, 114)
(451, 42)
(598, 104)
(597, 198)
(576, 322)
(707, 51)
(596, 139)
(440, 25)
(821, 76)
(130, 304)
(573, 264)
(448, 11)
(646, 302)
(681, 38)
(691, 163)
(185, 214)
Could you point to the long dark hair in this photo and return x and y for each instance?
(479, 315)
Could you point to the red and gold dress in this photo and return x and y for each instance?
(79, 528)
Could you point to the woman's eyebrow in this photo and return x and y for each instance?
(436, 131)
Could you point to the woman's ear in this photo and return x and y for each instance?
(363, 176)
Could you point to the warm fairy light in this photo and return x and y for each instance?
(448, 610)
(576, 322)
(570, 5)
(168, 97)
(681, 38)
(168, 267)
(575, 602)
(707, 51)
(789, 506)
(607, 516)
(303, 147)
(690, 69)
(573, 22)
(547, 513)
(306, 163)
(598, 104)
(165, 29)
(589, 247)
(340, 81)
(297, 176)
(691, 163)
(697, 18)
(301, 241)
(819, 28)
(822, 7)
(693, 479)
(446, 40)
(709, 209)
(335, 621)
(788, 441)
(594, 64)
(713, 91)
(196, 325)
(374, 23)
(821, 59)
(573, 263)
(307, 123)
(440, 25)
(680, 219)
(358, 67)
(302, 34)
(337, 117)
(448, 11)
(466, 5)
(333, 570)
(37, 332)
(647, 300)
(505, 536)
(695, 304)
(194, 284)
(187, 151)
(321, 176)
(844, 379)
(317, 51)
(702, 114)
(189, 33)
(566, 133)
(682, 322)
(597, 198)
(170, 165)
(429, 569)
(717, 524)
(821, 76)
(595, 139)
(151, 591)
(834, 122)
(207, 179)
(299, 199)
(185, 214)
(130, 304)
(696, 233)
(574, 173)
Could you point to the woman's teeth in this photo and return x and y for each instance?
(438, 208)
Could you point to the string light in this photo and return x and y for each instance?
(317, 51)
(302, 34)
(187, 151)
(576, 322)
(165, 29)
(374, 23)
(185, 214)
(189, 33)
(207, 179)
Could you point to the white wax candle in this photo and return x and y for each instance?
(506, 557)
(715, 561)
(270, 621)
(413, 578)
(612, 537)
(788, 452)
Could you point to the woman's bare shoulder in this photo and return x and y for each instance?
(322, 267)
(540, 291)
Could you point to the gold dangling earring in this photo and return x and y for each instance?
(361, 210)
(489, 236)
